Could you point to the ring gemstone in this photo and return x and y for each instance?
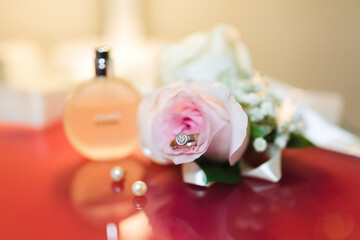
(181, 139)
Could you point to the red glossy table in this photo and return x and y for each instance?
(48, 191)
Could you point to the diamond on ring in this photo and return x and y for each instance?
(181, 139)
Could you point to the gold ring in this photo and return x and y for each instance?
(184, 140)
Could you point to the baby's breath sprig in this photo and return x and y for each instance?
(263, 109)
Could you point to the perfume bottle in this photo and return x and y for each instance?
(100, 115)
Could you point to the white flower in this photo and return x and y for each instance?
(267, 109)
(249, 85)
(206, 57)
(260, 144)
(281, 140)
(292, 127)
(249, 98)
(255, 114)
(282, 126)
(299, 126)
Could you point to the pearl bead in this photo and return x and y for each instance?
(139, 188)
(117, 173)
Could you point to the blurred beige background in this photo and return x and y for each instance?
(312, 44)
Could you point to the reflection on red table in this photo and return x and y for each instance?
(48, 191)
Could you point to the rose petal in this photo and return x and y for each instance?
(238, 120)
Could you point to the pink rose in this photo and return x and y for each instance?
(202, 107)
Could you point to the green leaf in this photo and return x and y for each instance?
(298, 141)
(260, 130)
(223, 173)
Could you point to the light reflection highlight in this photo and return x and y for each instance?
(135, 227)
(111, 231)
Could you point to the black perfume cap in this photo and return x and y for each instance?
(102, 52)
(102, 61)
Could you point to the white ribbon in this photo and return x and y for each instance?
(193, 174)
(268, 171)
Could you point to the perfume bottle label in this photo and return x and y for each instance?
(107, 119)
